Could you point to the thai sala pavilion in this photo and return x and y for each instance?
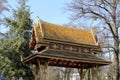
(61, 46)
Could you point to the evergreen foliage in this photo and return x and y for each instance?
(16, 44)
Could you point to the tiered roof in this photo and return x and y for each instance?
(48, 31)
(63, 46)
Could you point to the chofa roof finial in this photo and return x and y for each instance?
(39, 20)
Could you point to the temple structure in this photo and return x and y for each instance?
(60, 46)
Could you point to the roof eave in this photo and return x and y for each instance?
(68, 42)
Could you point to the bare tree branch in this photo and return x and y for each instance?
(106, 11)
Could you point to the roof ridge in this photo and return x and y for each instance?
(58, 25)
(65, 26)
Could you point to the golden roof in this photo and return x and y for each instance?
(44, 30)
(46, 35)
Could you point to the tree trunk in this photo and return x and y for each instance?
(89, 74)
(116, 54)
(116, 58)
(68, 74)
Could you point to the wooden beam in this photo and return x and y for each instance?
(34, 69)
(42, 69)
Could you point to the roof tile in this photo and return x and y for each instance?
(56, 32)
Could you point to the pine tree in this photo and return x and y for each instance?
(16, 45)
